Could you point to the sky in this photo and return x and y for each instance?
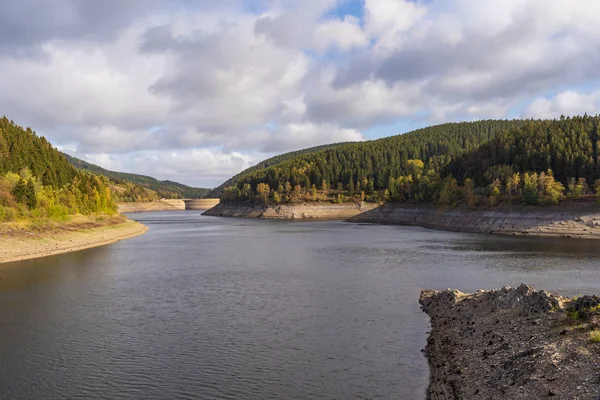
(198, 90)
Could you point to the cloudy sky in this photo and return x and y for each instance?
(197, 90)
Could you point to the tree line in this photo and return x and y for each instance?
(480, 163)
(218, 191)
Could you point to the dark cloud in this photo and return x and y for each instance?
(27, 24)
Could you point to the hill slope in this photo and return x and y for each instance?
(165, 189)
(218, 191)
(569, 147)
(379, 160)
(36, 180)
(21, 148)
(536, 162)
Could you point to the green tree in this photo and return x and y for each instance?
(449, 193)
(530, 191)
(30, 197)
(20, 191)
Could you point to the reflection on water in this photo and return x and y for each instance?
(204, 307)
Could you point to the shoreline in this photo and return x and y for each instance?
(29, 246)
(572, 219)
(295, 211)
(161, 205)
(512, 343)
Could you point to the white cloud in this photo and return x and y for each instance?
(361, 104)
(343, 35)
(298, 136)
(567, 103)
(142, 85)
(85, 93)
(388, 20)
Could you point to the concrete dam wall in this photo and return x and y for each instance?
(200, 204)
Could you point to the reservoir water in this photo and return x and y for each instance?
(210, 308)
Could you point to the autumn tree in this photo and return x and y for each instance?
(263, 191)
(276, 197)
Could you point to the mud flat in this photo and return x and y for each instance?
(19, 243)
(570, 219)
(512, 343)
(163, 205)
(290, 211)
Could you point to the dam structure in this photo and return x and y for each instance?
(200, 204)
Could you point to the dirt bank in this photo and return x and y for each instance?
(21, 242)
(512, 344)
(570, 219)
(163, 205)
(290, 211)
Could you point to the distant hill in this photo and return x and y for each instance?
(218, 191)
(166, 189)
(377, 160)
(480, 163)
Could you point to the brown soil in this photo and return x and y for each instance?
(22, 241)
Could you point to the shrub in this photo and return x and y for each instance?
(7, 214)
(595, 336)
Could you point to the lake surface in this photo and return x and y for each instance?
(210, 308)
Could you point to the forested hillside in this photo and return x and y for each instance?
(347, 167)
(218, 191)
(36, 181)
(162, 189)
(569, 147)
(480, 163)
(22, 148)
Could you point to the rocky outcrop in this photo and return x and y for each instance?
(574, 219)
(290, 211)
(511, 343)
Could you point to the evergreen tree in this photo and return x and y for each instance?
(30, 197)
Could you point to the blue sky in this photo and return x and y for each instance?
(349, 7)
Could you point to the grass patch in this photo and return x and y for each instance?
(595, 336)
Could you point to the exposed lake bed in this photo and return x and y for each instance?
(209, 307)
